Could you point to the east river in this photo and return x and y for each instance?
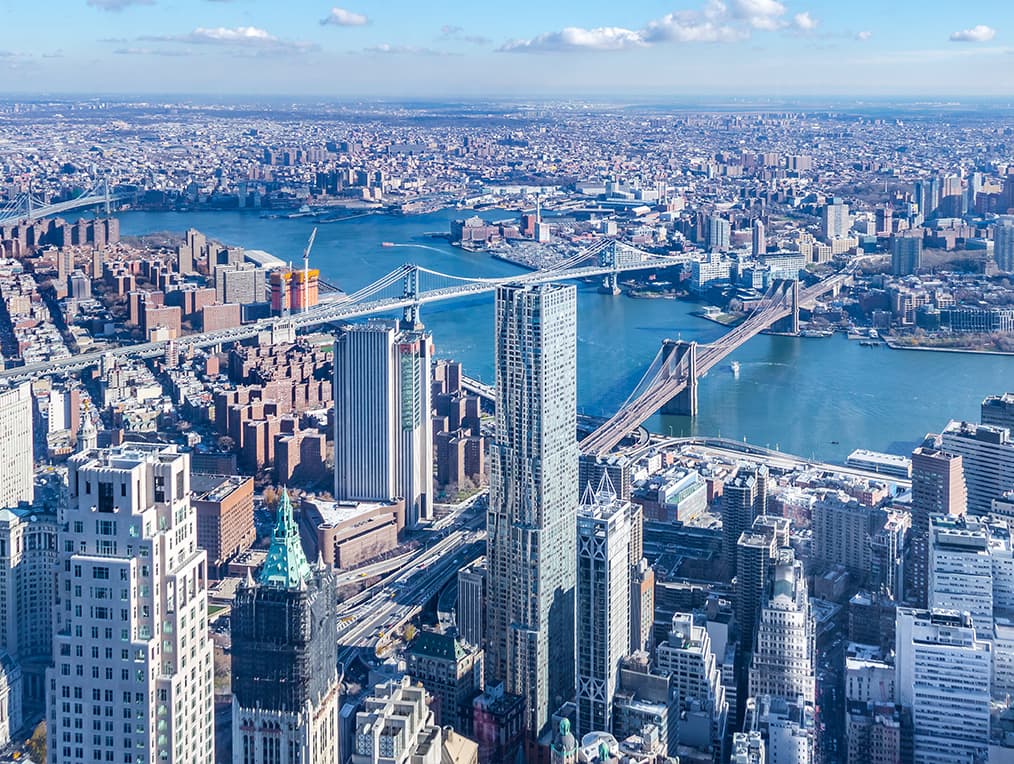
(818, 398)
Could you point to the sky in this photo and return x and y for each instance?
(474, 49)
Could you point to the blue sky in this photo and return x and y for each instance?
(490, 48)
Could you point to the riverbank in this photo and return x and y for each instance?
(894, 345)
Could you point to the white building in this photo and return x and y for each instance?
(603, 603)
(396, 727)
(703, 273)
(383, 432)
(783, 652)
(686, 656)
(943, 677)
(987, 459)
(786, 727)
(16, 464)
(835, 221)
(132, 663)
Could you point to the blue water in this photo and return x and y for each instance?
(819, 398)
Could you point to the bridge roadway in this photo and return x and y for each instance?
(664, 388)
(324, 313)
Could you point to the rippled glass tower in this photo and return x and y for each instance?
(532, 520)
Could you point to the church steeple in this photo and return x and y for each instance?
(286, 566)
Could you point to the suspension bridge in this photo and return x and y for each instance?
(671, 381)
(406, 288)
(27, 207)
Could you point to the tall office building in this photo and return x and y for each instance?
(942, 676)
(383, 429)
(28, 557)
(532, 518)
(971, 569)
(938, 488)
(906, 254)
(470, 615)
(784, 650)
(835, 221)
(16, 434)
(987, 461)
(719, 234)
(132, 674)
(759, 240)
(758, 550)
(743, 498)
(687, 658)
(603, 603)
(1003, 243)
(284, 642)
(642, 605)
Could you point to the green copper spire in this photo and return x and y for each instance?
(286, 566)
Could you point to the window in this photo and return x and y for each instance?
(105, 497)
(101, 572)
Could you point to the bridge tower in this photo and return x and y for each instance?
(609, 259)
(683, 354)
(105, 193)
(410, 314)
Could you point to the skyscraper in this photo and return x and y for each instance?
(835, 221)
(131, 632)
(284, 642)
(743, 498)
(987, 461)
(942, 676)
(938, 488)
(603, 603)
(16, 463)
(532, 518)
(1003, 243)
(719, 234)
(760, 244)
(383, 431)
(906, 254)
(784, 650)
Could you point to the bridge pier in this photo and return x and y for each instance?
(611, 283)
(685, 402)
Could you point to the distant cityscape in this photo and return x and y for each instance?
(253, 513)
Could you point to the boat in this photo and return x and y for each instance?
(387, 243)
(735, 369)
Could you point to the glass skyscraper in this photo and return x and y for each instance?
(532, 519)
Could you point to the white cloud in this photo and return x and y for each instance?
(805, 21)
(238, 38)
(148, 52)
(577, 38)
(978, 33)
(340, 17)
(759, 14)
(864, 35)
(403, 50)
(687, 27)
(117, 5)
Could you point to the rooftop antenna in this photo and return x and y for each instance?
(306, 269)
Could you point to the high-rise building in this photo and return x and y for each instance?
(686, 657)
(835, 221)
(396, 725)
(284, 642)
(938, 488)
(242, 284)
(16, 434)
(743, 498)
(758, 549)
(451, 671)
(971, 569)
(719, 234)
(987, 461)
(28, 557)
(532, 518)
(603, 603)
(786, 728)
(783, 651)
(642, 605)
(470, 615)
(191, 251)
(998, 410)
(943, 677)
(906, 254)
(842, 530)
(383, 429)
(759, 240)
(1003, 243)
(130, 636)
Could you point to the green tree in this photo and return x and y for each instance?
(37, 744)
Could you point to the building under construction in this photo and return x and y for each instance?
(294, 290)
(284, 642)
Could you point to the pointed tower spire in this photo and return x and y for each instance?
(588, 497)
(286, 566)
(606, 490)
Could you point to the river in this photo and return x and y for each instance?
(819, 398)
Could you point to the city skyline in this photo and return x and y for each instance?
(714, 48)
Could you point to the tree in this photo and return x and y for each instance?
(271, 497)
(37, 744)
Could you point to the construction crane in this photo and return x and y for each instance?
(306, 269)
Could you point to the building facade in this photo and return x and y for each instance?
(532, 518)
(16, 434)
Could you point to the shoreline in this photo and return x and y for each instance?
(893, 346)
